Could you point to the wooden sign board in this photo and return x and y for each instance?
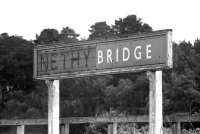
(135, 53)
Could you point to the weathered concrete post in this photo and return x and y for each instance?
(114, 127)
(110, 128)
(65, 129)
(155, 102)
(20, 129)
(178, 127)
(53, 106)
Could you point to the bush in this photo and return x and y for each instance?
(191, 131)
(125, 128)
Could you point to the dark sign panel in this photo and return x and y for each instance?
(134, 53)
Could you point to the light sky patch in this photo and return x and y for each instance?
(28, 17)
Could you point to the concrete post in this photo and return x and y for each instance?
(155, 102)
(53, 106)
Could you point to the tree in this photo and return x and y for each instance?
(68, 35)
(130, 25)
(181, 90)
(197, 61)
(100, 30)
(4, 35)
(83, 96)
(15, 66)
(47, 36)
(128, 96)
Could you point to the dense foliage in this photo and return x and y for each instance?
(23, 97)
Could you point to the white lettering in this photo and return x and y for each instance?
(138, 54)
(126, 57)
(117, 55)
(100, 56)
(148, 51)
(109, 54)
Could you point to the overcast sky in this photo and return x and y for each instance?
(28, 17)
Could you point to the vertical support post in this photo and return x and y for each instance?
(134, 125)
(53, 106)
(155, 102)
(62, 129)
(114, 127)
(110, 126)
(178, 127)
(174, 128)
(20, 129)
(65, 129)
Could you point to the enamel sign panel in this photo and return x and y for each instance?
(149, 51)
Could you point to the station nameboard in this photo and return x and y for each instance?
(148, 51)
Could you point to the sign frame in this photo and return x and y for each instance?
(167, 65)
